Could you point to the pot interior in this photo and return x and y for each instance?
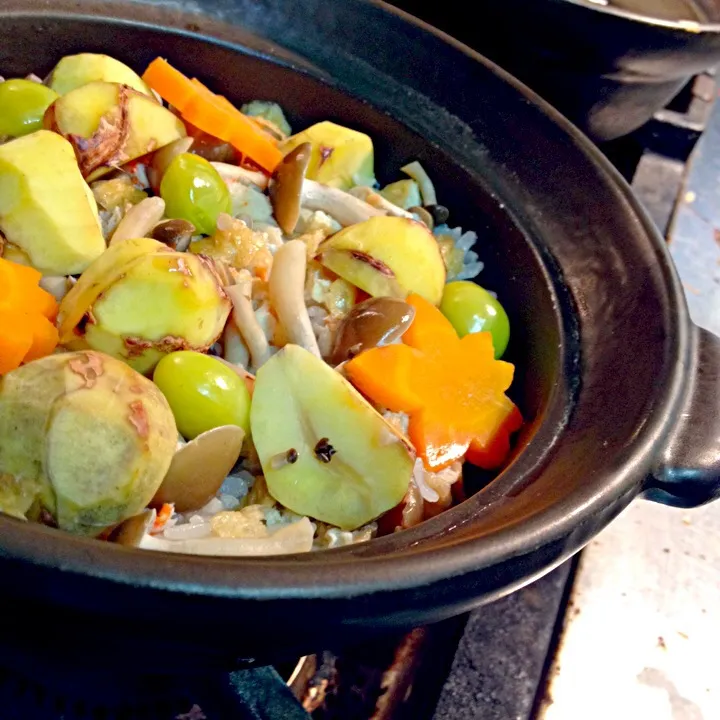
(599, 337)
(513, 268)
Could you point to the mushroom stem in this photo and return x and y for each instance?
(57, 286)
(235, 350)
(139, 220)
(344, 207)
(417, 172)
(376, 200)
(235, 173)
(248, 326)
(287, 287)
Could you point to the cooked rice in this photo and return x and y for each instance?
(109, 220)
(472, 266)
(243, 506)
(329, 537)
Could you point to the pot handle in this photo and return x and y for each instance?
(689, 471)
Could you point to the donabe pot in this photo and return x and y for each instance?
(607, 69)
(620, 390)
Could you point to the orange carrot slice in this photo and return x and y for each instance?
(44, 337)
(15, 340)
(453, 390)
(212, 113)
(19, 290)
(169, 83)
(38, 300)
(163, 515)
(26, 312)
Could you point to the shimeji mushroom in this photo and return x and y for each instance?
(139, 220)
(378, 201)
(248, 325)
(290, 191)
(199, 468)
(287, 289)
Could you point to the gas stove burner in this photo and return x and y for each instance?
(255, 694)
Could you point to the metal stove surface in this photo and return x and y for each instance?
(636, 632)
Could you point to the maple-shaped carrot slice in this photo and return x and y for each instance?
(19, 290)
(46, 304)
(25, 275)
(15, 340)
(453, 390)
(44, 337)
(26, 312)
(15, 282)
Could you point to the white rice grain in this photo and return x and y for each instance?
(188, 530)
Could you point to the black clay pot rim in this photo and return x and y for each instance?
(690, 27)
(314, 574)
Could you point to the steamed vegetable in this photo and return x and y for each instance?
(371, 323)
(324, 450)
(23, 104)
(212, 113)
(427, 190)
(117, 193)
(193, 190)
(315, 379)
(20, 291)
(110, 124)
(404, 193)
(269, 111)
(25, 337)
(26, 315)
(198, 469)
(472, 309)
(287, 186)
(203, 393)
(143, 301)
(106, 270)
(46, 209)
(389, 256)
(340, 157)
(74, 71)
(452, 388)
(84, 438)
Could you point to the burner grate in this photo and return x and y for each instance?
(24, 699)
(254, 694)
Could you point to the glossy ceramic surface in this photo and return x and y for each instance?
(607, 69)
(611, 373)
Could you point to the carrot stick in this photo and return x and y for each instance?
(25, 274)
(212, 113)
(169, 83)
